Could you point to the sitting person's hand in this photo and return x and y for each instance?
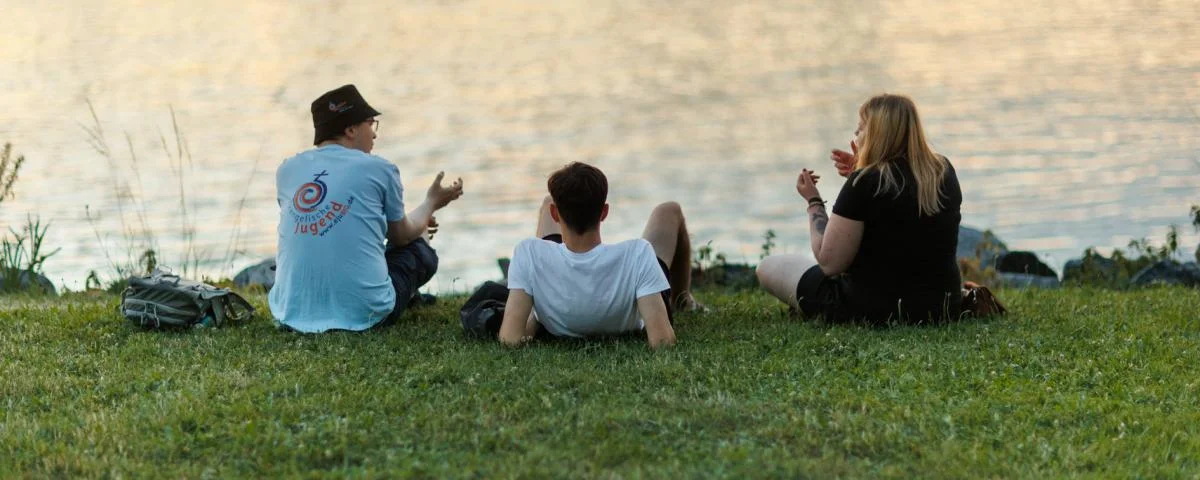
(843, 160)
(806, 184)
(440, 196)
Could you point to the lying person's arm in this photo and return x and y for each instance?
(413, 225)
(519, 324)
(658, 325)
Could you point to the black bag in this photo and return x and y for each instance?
(162, 299)
(484, 311)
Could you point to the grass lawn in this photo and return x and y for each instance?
(1073, 382)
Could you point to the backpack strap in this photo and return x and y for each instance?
(231, 307)
(138, 312)
(218, 307)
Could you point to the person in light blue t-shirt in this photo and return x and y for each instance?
(349, 257)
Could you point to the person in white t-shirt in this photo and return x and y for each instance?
(568, 283)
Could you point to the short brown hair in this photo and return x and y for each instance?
(579, 191)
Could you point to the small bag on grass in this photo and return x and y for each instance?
(482, 313)
(162, 299)
(978, 301)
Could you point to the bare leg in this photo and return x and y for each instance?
(546, 224)
(780, 274)
(666, 231)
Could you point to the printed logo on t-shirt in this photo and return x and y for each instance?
(310, 195)
(310, 213)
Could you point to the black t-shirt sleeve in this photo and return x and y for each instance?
(853, 202)
(951, 190)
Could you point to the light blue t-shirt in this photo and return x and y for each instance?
(334, 207)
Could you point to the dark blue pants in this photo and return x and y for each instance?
(409, 267)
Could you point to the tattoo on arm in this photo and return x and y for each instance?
(819, 220)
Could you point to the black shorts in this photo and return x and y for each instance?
(542, 333)
(818, 294)
(839, 300)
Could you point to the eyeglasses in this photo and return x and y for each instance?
(374, 125)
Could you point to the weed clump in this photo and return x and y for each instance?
(22, 253)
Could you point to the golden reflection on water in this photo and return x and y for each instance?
(1070, 125)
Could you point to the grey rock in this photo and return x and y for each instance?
(1026, 280)
(1098, 268)
(262, 273)
(26, 281)
(1024, 262)
(973, 242)
(1168, 272)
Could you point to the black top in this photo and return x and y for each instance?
(906, 263)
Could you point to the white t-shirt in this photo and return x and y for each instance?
(590, 293)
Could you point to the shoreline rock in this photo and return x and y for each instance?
(261, 273)
(1021, 262)
(982, 244)
(1168, 272)
(26, 281)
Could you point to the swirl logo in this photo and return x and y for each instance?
(310, 195)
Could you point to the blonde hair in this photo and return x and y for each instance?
(893, 130)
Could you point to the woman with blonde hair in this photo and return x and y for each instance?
(887, 254)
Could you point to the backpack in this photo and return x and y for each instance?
(163, 299)
(484, 311)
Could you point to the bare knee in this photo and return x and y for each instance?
(771, 268)
(669, 209)
(776, 277)
(761, 271)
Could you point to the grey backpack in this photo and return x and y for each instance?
(163, 299)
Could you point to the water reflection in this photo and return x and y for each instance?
(1070, 125)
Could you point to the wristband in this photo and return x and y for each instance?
(816, 201)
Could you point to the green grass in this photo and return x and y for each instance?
(1073, 383)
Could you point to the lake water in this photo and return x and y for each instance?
(1071, 123)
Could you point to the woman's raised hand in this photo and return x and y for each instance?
(843, 160)
(806, 184)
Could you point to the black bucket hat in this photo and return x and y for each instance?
(337, 109)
